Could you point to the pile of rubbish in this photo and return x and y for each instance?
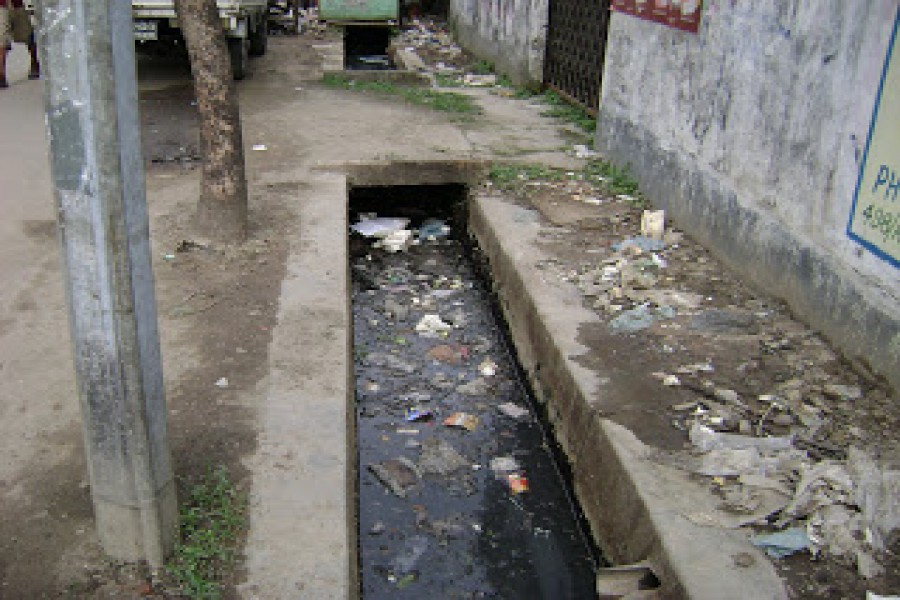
(783, 462)
(454, 465)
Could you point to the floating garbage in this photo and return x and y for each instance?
(513, 410)
(783, 543)
(449, 354)
(503, 466)
(396, 241)
(431, 325)
(433, 229)
(419, 414)
(462, 420)
(518, 483)
(487, 368)
(405, 562)
(379, 227)
(222, 382)
(476, 387)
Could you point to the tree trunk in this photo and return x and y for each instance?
(222, 208)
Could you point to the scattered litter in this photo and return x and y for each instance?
(419, 414)
(783, 543)
(379, 227)
(582, 151)
(843, 392)
(718, 320)
(260, 147)
(396, 241)
(477, 387)
(449, 354)
(510, 409)
(642, 243)
(398, 475)
(462, 420)
(433, 229)
(671, 381)
(431, 325)
(405, 562)
(705, 439)
(640, 318)
(487, 368)
(474, 80)
(653, 224)
(503, 465)
(222, 382)
(518, 483)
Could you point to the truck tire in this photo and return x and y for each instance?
(259, 37)
(238, 52)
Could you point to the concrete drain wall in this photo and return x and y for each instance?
(627, 498)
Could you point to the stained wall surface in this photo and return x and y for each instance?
(750, 134)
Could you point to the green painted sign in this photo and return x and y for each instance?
(359, 10)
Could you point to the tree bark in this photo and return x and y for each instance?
(222, 207)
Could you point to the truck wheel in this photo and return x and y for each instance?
(259, 37)
(237, 51)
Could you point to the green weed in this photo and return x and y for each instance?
(515, 176)
(482, 67)
(447, 80)
(562, 109)
(450, 102)
(615, 180)
(212, 518)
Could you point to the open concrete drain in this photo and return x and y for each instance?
(459, 492)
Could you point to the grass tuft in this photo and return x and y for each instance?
(561, 109)
(212, 518)
(450, 102)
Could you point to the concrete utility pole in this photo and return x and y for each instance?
(92, 120)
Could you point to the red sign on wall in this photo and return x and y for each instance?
(680, 14)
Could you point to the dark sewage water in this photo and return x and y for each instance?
(460, 495)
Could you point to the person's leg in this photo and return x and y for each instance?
(4, 44)
(35, 71)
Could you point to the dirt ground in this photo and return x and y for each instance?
(217, 307)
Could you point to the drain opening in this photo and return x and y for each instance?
(366, 48)
(460, 493)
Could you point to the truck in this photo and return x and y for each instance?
(245, 23)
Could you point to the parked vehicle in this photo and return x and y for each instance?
(245, 22)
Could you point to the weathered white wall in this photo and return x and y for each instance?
(510, 33)
(750, 133)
